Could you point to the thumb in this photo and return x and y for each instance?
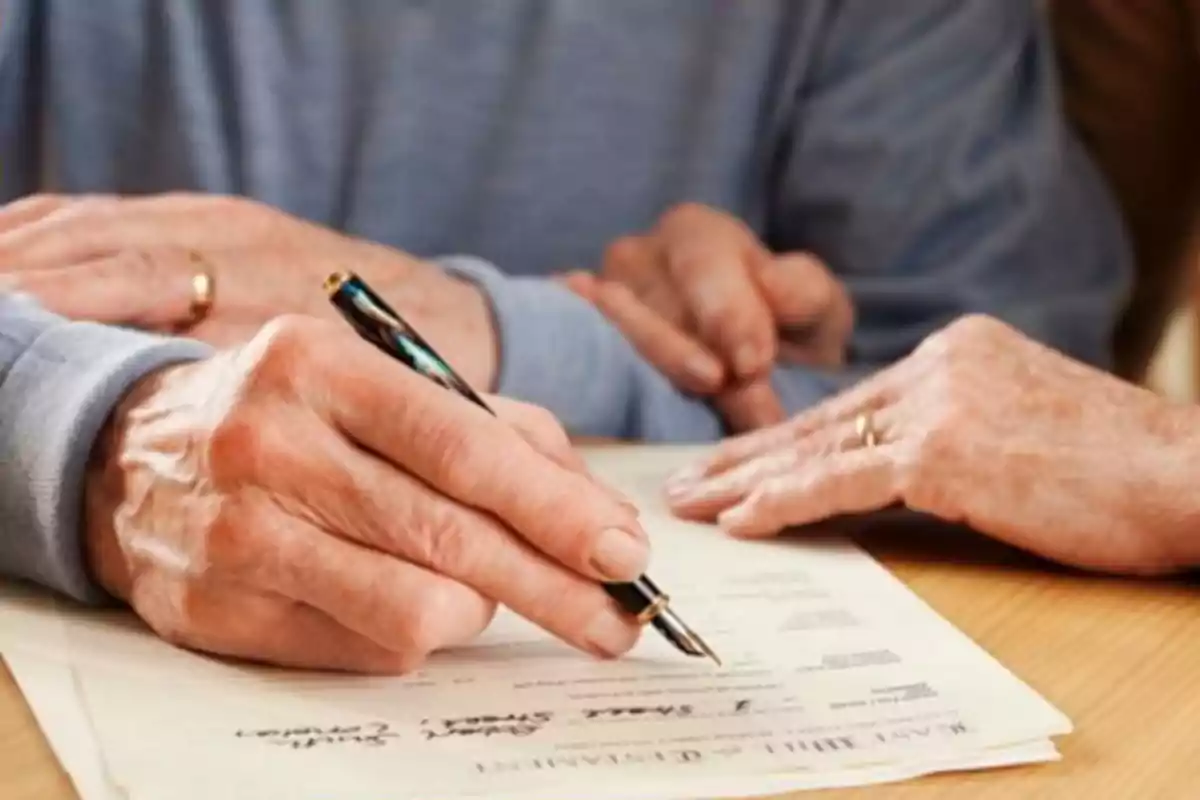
(812, 308)
(797, 287)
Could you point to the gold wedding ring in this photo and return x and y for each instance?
(204, 288)
(864, 426)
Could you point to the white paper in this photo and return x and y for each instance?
(834, 674)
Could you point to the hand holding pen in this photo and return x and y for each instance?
(379, 324)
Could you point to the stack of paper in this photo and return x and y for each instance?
(835, 674)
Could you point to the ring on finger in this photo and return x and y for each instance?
(204, 287)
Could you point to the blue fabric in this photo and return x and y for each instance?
(59, 381)
(917, 147)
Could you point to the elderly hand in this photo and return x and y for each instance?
(703, 300)
(982, 426)
(132, 261)
(301, 500)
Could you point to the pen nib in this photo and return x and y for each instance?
(682, 636)
(707, 650)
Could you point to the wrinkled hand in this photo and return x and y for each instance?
(131, 261)
(982, 426)
(703, 300)
(301, 501)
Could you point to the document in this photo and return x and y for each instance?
(834, 674)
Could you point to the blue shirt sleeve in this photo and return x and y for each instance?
(59, 381)
(925, 158)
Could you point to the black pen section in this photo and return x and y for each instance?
(638, 598)
(644, 600)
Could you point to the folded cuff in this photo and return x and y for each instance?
(54, 399)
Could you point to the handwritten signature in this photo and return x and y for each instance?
(479, 726)
(486, 725)
(371, 734)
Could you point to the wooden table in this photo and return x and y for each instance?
(1121, 658)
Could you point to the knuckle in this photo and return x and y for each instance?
(622, 256)
(226, 542)
(547, 428)
(688, 262)
(278, 354)
(933, 348)
(722, 316)
(440, 539)
(931, 452)
(455, 457)
(233, 438)
(972, 330)
(289, 333)
(235, 449)
(134, 264)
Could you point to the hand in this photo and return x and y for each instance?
(703, 300)
(131, 261)
(983, 426)
(302, 500)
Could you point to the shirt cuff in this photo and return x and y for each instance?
(555, 350)
(54, 400)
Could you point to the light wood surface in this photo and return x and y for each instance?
(1121, 658)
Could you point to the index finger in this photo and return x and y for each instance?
(711, 259)
(477, 459)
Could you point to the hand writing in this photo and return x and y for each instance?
(983, 426)
(703, 300)
(302, 501)
(131, 261)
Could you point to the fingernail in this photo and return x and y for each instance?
(610, 634)
(746, 360)
(684, 478)
(737, 521)
(619, 555)
(680, 490)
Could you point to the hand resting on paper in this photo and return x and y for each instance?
(300, 501)
(983, 426)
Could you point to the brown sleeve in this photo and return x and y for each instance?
(1131, 76)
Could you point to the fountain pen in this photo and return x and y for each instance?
(379, 324)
